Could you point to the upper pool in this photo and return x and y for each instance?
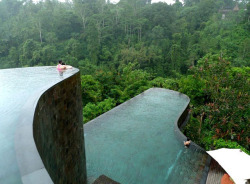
(17, 86)
(137, 142)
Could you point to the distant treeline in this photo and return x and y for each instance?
(199, 47)
(163, 39)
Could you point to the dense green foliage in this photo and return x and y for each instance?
(125, 48)
(221, 143)
(224, 93)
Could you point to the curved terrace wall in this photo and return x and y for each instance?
(58, 131)
(49, 139)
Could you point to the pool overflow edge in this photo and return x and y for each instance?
(178, 127)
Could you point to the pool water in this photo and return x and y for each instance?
(16, 87)
(135, 143)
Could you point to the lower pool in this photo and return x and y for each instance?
(136, 143)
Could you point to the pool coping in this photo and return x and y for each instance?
(30, 164)
(180, 124)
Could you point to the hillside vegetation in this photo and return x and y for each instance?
(198, 47)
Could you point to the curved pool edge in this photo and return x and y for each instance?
(183, 119)
(182, 122)
(183, 116)
(131, 99)
(30, 160)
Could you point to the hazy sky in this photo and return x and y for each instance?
(153, 1)
(115, 1)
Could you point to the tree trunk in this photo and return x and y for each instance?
(39, 27)
(83, 20)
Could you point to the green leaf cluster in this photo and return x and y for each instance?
(223, 111)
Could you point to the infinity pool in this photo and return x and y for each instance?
(135, 143)
(16, 87)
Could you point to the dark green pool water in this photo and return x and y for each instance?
(135, 143)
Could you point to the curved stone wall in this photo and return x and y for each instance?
(58, 131)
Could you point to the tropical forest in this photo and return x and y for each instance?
(200, 48)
